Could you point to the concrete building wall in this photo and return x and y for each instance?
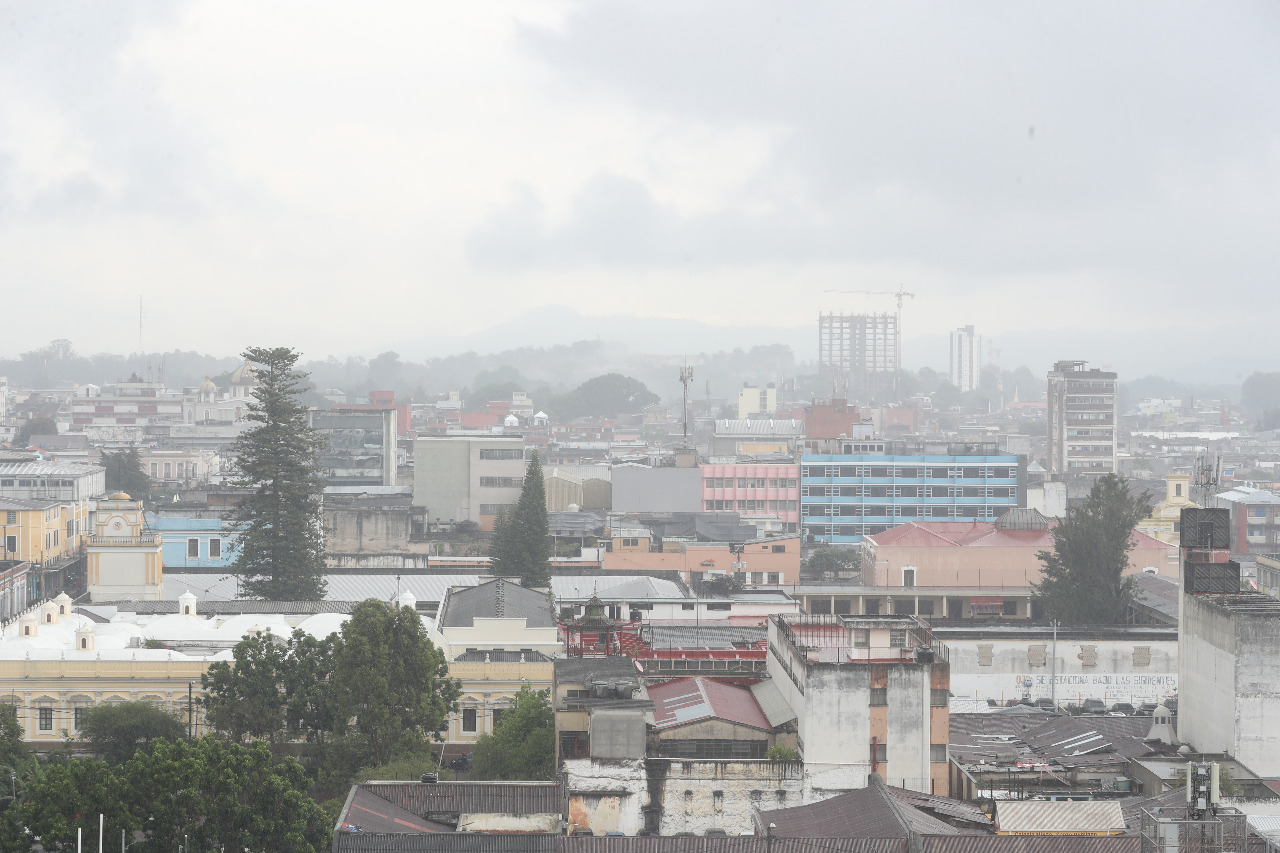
(1113, 670)
(702, 795)
(907, 729)
(1257, 678)
(645, 489)
(454, 476)
(350, 530)
(1207, 649)
(606, 795)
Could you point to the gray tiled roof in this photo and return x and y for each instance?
(522, 798)
(442, 842)
(497, 599)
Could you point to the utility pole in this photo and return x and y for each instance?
(1053, 669)
(686, 376)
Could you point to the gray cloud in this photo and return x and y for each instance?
(981, 138)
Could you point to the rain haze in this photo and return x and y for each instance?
(1080, 180)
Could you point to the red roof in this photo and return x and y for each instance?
(687, 700)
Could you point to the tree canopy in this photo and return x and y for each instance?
(35, 426)
(375, 692)
(523, 743)
(1084, 582)
(218, 795)
(118, 731)
(280, 552)
(521, 545)
(391, 690)
(833, 560)
(125, 474)
(604, 396)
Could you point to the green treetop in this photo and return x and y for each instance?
(1084, 581)
(280, 552)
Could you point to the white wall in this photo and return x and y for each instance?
(1114, 677)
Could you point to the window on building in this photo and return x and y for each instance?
(11, 516)
(468, 719)
(497, 715)
(897, 638)
(501, 453)
(778, 549)
(909, 577)
(79, 718)
(215, 548)
(879, 697)
(193, 549)
(879, 752)
(925, 607)
(1010, 607)
(630, 542)
(820, 605)
(46, 719)
(11, 544)
(937, 752)
(939, 697)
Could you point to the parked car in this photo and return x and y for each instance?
(1094, 706)
(1146, 709)
(582, 832)
(716, 833)
(1045, 704)
(1122, 708)
(614, 834)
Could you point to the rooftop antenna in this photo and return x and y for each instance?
(686, 376)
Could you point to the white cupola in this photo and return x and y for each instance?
(29, 625)
(187, 604)
(49, 613)
(64, 603)
(84, 637)
(407, 599)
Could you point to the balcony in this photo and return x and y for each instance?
(143, 541)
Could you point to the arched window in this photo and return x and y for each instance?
(26, 629)
(48, 618)
(84, 642)
(62, 610)
(186, 610)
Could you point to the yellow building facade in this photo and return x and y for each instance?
(124, 559)
(1163, 522)
(36, 531)
(490, 682)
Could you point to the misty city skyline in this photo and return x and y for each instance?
(1075, 180)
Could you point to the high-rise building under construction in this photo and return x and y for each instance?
(860, 354)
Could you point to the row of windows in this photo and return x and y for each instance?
(909, 472)
(751, 482)
(752, 505)
(501, 482)
(494, 509)
(43, 483)
(907, 491)
(501, 453)
(851, 510)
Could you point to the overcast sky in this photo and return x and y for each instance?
(334, 176)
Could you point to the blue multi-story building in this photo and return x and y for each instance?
(194, 543)
(874, 485)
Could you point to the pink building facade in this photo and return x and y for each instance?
(738, 487)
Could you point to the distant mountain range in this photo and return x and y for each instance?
(1186, 354)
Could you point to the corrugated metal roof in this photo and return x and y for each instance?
(340, 587)
(501, 656)
(496, 599)
(1059, 816)
(613, 588)
(444, 842)
(209, 607)
(686, 700)
(760, 427)
(1033, 844)
(703, 635)
(731, 844)
(522, 798)
(47, 469)
(772, 703)
(870, 812)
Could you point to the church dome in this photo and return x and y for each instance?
(207, 386)
(245, 374)
(119, 496)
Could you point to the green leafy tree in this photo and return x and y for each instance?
(523, 744)
(833, 560)
(125, 474)
(604, 396)
(118, 731)
(392, 693)
(222, 795)
(280, 553)
(245, 698)
(70, 795)
(521, 539)
(308, 686)
(778, 752)
(35, 426)
(1084, 581)
(12, 749)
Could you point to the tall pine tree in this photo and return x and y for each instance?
(1084, 581)
(280, 552)
(520, 546)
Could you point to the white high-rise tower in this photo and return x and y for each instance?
(966, 358)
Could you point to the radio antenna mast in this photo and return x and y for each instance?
(686, 376)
